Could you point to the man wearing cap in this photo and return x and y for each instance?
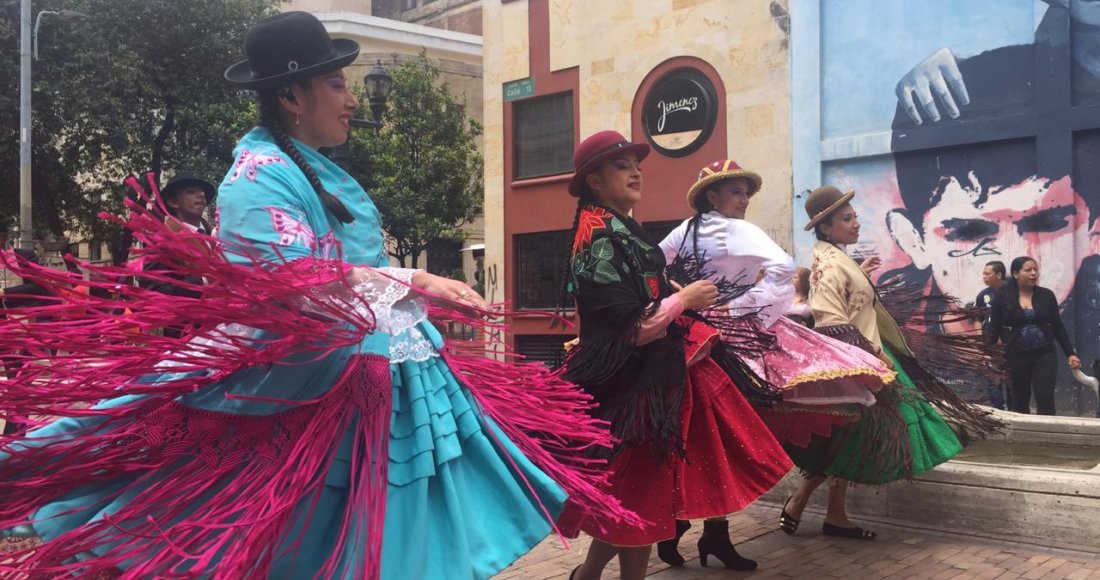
(185, 198)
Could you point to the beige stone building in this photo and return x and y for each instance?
(558, 71)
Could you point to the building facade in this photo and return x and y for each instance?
(701, 80)
(970, 133)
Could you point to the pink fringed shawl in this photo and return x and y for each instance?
(210, 493)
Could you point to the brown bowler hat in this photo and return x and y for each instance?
(823, 201)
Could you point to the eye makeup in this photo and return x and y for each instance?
(624, 164)
(1046, 221)
(968, 230)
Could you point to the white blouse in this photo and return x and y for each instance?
(736, 249)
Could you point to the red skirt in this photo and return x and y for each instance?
(731, 460)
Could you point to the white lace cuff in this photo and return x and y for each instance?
(411, 345)
(386, 291)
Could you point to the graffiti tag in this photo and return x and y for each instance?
(979, 249)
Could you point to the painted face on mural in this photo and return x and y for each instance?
(972, 225)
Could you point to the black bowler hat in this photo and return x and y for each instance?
(185, 179)
(288, 47)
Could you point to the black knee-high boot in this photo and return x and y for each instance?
(716, 541)
(667, 550)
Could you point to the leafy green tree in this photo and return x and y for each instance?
(134, 85)
(422, 168)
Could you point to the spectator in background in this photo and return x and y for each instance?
(993, 276)
(800, 310)
(185, 197)
(1026, 318)
(28, 293)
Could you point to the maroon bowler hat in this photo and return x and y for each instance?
(596, 149)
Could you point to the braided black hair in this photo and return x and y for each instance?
(268, 101)
(582, 200)
(693, 223)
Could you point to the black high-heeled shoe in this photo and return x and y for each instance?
(668, 550)
(716, 541)
(787, 522)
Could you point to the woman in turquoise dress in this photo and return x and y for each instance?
(272, 466)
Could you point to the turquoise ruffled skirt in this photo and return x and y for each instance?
(462, 501)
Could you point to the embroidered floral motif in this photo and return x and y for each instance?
(608, 252)
(328, 247)
(591, 219)
(249, 163)
(291, 231)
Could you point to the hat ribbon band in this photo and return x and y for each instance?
(608, 149)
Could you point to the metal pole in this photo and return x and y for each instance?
(26, 237)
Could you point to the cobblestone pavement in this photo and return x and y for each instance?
(898, 552)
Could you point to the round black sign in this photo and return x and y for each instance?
(680, 112)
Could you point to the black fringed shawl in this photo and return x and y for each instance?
(742, 335)
(617, 278)
(960, 356)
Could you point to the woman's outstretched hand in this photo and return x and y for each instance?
(448, 289)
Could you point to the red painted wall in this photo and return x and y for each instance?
(667, 179)
(542, 204)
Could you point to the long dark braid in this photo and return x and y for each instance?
(563, 298)
(269, 118)
(693, 229)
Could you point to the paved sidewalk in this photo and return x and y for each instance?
(897, 553)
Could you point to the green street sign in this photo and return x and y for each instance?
(519, 89)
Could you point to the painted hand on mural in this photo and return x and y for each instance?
(936, 78)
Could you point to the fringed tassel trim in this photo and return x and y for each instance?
(108, 339)
(548, 419)
(206, 493)
(830, 375)
(847, 333)
(969, 420)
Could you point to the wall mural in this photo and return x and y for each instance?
(994, 126)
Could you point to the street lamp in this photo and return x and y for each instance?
(26, 39)
(38, 22)
(378, 83)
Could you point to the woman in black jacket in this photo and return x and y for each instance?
(1026, 318)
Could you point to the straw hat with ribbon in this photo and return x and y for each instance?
(715, 172)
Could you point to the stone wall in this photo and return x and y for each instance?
(458, 15)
